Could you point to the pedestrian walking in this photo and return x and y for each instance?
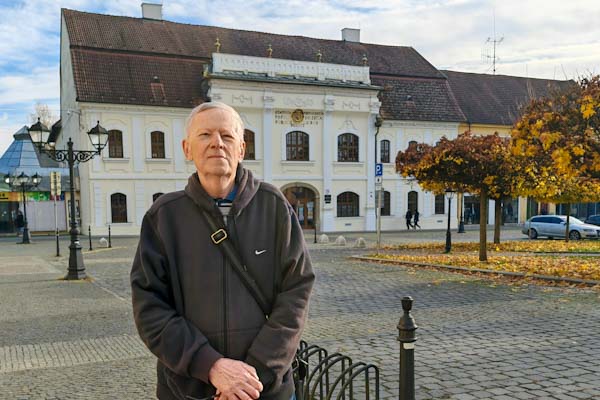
(416, 220)
(408, 217)
(221, 303)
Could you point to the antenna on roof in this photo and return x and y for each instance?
(485, 55)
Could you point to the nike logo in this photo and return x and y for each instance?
(259, 252)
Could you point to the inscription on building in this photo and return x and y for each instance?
(292, 118)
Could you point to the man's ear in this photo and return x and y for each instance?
(242, 150)
(186, 149)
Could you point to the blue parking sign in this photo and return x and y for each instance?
(378, 169)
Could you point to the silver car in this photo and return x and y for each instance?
(554, 226)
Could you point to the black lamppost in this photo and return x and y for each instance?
(449, 195)
(24, 182)
(461, 222)
(98, 136)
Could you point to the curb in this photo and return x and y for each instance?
(549, 278)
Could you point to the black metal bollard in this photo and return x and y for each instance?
(109, 242)
(90, 236)
(407, 339)
(57, 243)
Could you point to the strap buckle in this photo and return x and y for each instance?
(218, 236)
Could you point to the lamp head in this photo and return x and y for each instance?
(98, 136)
(39, 133)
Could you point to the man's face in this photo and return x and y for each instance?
(213, 144)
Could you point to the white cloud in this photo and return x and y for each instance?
(40, 84)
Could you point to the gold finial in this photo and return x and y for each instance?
(319, 55)
(365, 60)
(218, 45)
(269, 51)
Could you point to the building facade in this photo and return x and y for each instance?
(309, 107)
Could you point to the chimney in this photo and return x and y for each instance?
(351, 35)
(152, 11)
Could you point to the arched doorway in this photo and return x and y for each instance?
(303, 200)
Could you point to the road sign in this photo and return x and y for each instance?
(55, 188)
(378, 180)
(378, 169)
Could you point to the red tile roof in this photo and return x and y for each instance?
(124, 60)
(417, 99)
(128, 34)
(120, 78)
(497, 99)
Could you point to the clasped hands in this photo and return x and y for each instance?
(235, 380)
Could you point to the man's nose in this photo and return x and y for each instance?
(217, 141)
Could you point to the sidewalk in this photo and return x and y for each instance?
(476, 339)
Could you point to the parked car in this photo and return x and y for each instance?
(593, 220)
(554, 226)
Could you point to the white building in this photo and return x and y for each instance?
(309, 106)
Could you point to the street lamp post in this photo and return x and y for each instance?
(449, 195)
(24, 182)
(98, 136)
(461, 222)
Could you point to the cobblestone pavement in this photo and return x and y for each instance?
(476, 339)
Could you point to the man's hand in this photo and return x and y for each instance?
(235, 380)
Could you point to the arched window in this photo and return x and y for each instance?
(296, 146)
(347, 205)
(348, 147)
(385, 206)
(115, 144)
(413, 201)
(412, 143)
(249, 139)
(118, 207)
(439, 203)
(155, 196)
(384, 154)
(157, 142)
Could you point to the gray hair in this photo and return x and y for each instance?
(238, 124)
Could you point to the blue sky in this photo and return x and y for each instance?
(542, 38)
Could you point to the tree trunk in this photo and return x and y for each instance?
(568, 220)
(483, 200)
(497, 219)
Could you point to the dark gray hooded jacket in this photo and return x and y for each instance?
(191, 308)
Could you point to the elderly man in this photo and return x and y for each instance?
(191, 308)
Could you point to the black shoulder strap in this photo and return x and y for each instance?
(221, 239)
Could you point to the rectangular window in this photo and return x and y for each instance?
(385, 151)
(157, 142)
(115, 144)
(439, 204)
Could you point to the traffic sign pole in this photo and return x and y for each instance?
(378, 194)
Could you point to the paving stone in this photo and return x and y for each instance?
(67, 340)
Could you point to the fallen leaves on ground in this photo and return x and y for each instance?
(566, 267)
(545, 246)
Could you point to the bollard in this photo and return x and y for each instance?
(90, 236)
(57, 243)
(407, 339)
(109, 242)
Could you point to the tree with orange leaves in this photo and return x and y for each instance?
(474, 164)
(556, 146)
